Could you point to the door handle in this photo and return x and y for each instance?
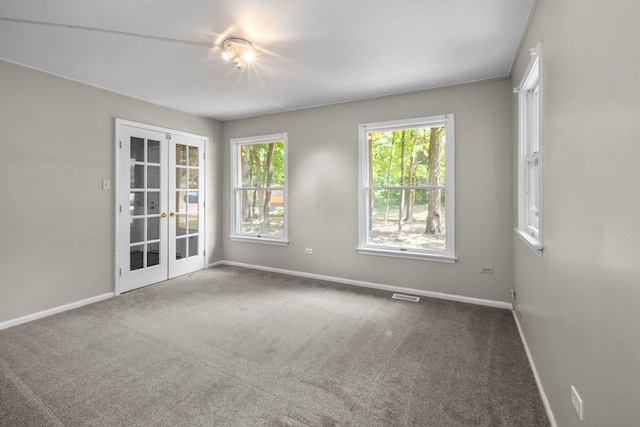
(172, 214)
(164, 215)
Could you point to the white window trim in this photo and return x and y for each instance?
(532, 76)
(448, 256)
(235, 219)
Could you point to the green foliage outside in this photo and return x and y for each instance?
(256, 164)
(262, 172)
(404, 215)
(387, 160)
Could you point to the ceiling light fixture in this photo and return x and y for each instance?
(240, 51)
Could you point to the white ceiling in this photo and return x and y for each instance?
(311, 52)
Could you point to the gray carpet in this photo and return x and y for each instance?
(237, 347)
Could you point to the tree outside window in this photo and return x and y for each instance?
(407, 188)
(259, 188)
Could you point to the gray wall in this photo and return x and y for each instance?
(323, 188)
(56, 223)
(580, 303)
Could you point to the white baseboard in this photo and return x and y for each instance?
(55, 310)
(545, 401)
(410, 291)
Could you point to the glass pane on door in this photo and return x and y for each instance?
(181, 154)
(136, 255)
(153, 151)
(153, 254)
(187, 197)
(193, 246)
(193, 178)
(153, 173)
(136, 232)
(181, 248)
(181, 225)
(137, 176)
(136, 203)
(193, 156)
(145, 200)
(137, 149)
(153, 228)
(193, 223)
(153, 202)
(181, 201)
(181, 178)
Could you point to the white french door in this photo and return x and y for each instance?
(161, 212)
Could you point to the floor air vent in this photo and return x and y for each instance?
(405, 297)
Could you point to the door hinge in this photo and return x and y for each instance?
(120, 208)
(204, 254)
(204, 155)
(120, 272)
(168, 136)
(120, 144)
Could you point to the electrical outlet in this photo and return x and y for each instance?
(485, 269)
(576, 401)
(308, 251)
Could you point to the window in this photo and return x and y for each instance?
(529, 155)
(259, 194)
(407, 188)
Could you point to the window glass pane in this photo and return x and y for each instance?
(262, 165)
(532, 193)
(181, 178)
(407, 157)
(153, 155)
(136, 203)
(181, 154)
(136, 230)
(262, 212)
(137, 149)
(406, 219)
(153, 179)
(153, 206)
(193, 223)
(137, 176)
(181, 248)
(192, 200)
(181, 225)
(535, 99)
(531, 143)
(193, 156)
(136, 256)
(153, 228)
(193, 178)
(181, 201)
(193, 246)
(153, 254)
(246, 166)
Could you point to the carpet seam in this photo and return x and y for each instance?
(29, 394)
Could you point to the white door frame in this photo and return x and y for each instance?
(118, 289)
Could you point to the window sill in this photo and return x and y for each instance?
(407, 255)
(530, 241)
(265, 240)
